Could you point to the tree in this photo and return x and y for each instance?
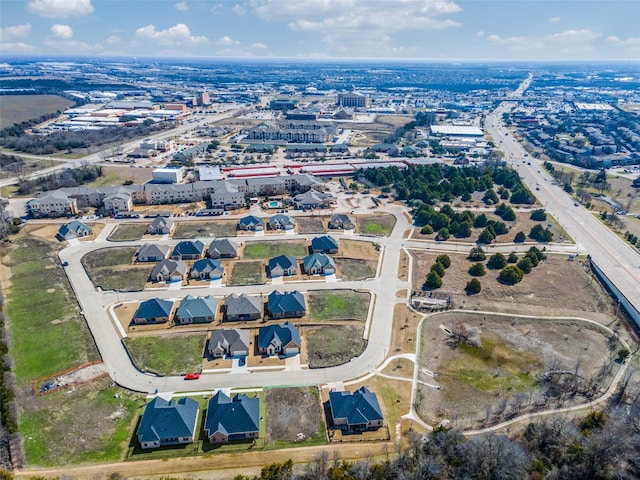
(426, 230)
(477, 270)
(520, 237)
(486, 236)
(497, 261)
(477, 254)
(525, 265)
(490, 197)
(512, 258)
(473, 286)
(443, 234)
(480, 221)
(539, 215)
(511, 275)
(438, 268)
(433, 280)
(444, 260)
(541, 234)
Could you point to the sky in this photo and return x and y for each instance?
(396, 29)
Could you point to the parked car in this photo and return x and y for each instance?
(192, 376)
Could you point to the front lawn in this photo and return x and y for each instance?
(266, 250)
(338, 305)
(169, 354)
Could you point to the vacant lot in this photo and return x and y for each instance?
(266, 250)
(20, 108)
(511, 365)
(48, 335)
(55, 426)
(312, 224)
(328, 346)
(205, 229)
(338, 305)
(294, 417)
(110, 269)
(355, 268)
(170, 354)
(377, 225)
(246, 273)
(127, 232)
(118, 175)
(556, 284)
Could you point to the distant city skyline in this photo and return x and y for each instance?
(396, 29)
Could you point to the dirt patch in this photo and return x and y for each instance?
(507, 372)
(403, 266)
(312, 224)
(358, 249)
(555, 285)
(293, 414)
(405, 324)
(333, 345)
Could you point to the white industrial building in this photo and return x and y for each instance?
(456, 131)
(168, 175)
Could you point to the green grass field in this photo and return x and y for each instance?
(205, 229)
(378, 225)
(20, 108)
(126, 232)
(48, 335)
(109, 257)
(333, 345)
(111, 269)
(338, 305)
(266, 250)
(167, 355)
(246, 273)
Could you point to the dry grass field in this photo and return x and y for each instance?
(20, 108)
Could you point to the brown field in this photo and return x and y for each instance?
(555, 285)
(403, 339)
(314, 224)
(512, 355)
(293, 414)
(20, 108)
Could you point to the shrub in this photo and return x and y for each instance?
(426, 230)
(486, 236)
(444, 260)
(433, 280)
(438, 268)
(473, 286)
(477, 254)
(525, 265)
(511, 275)
(505, 212)
(541, 234)
(497, 261)
(477, 270)
(443, 234)
(539, 215)
(520, 237)
(499, 228)
(490, 197)
(480, 221)
(512, 258)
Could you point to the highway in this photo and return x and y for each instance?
(614, 256)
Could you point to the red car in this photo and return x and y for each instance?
(192, 376)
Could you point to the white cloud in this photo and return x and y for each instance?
(239, 9)
(15, 31)
(17, 47)
(227, 40)
(361, 27)
(259, 46)
(568, 44)
(630, 45)
(113, 39)
(179, 34)
(554, 19)
(182, 6)
(217, 9)
(60, 8)
(61, 32)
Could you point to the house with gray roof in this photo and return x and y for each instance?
(324, 244)
(222, 248)
(286, 305)
(279, 339)
(196, 310)
(251, 223)
(355, 411)
(230, 342)
(169, 271)
(154, 310)
(281, 222)
(207, 269)
(74, 229)
(232, 419)
(242, 307)
(151, 252)
(161, 226)
(188, 250)
(283, 266)
(167, 422)
(312, 199)
(318, 264)
(341, 221)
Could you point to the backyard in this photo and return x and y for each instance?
(186, 230)
(266, 250)
(246, 273)
(127, 232)
(111, 269)
(332, 345)
(338, 305)
(169, 354)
